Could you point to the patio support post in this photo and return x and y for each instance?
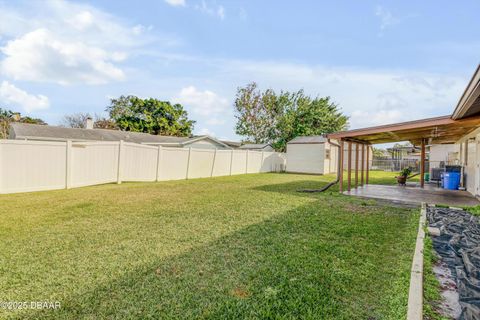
(363, 164)
(349, 166)
(368, 162)
(356, 165)
(422, 165)
(340, 168)
(465, 162)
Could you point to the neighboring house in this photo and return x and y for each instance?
(311, 154)
(24, 131)
(446, 153)
(257, 147)
(404, 153)
(232, 144)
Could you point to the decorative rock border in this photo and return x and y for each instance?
(415, 293)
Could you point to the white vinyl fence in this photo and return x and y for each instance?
(41, 165)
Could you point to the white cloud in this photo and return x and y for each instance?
(40, 56)
(65, 43)
(10, 94)
(211, 9)
(242, 14)
(205, 132)
(221, 12)
(176, 3)
(369, 96)
(204, 103)
(387, 19)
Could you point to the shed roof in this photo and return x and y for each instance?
(44, 132)
(308, 140)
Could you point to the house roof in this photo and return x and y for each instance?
(469, 102)
(233, 144)
(254, 146)
(308, 140)
(44, 132)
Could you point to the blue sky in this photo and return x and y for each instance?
(382, 62)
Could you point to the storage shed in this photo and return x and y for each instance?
(311, 154)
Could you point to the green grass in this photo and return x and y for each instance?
(475, 210)
(240, 247)
(378, 177)
(431, 286)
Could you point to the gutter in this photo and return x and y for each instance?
(470, 94)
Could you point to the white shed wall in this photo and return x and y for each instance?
(306, 158)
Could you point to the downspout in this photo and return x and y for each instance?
(338, 172)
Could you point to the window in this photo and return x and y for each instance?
(327, 154)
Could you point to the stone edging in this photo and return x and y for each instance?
(415, 294)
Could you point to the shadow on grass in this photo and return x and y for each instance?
(294, 187)
(313, 262)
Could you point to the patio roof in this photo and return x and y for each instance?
(438, 130)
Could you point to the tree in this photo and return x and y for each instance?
(150, 115)
(8, 116)
(277, 118)
(257, 113)
(378, 153)
(104, 123)
(305, 116)
(76, 120)
(79, 120)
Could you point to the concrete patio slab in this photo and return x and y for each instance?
(412, 194)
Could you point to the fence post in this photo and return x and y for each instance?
(120, 161)
(188, 162)
(246, 165)
(159, 162)
(263, 159)
(231, 161)
(68, 164)
(213, 164)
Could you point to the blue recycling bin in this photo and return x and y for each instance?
(451, 180)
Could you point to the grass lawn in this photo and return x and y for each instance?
(235, 247)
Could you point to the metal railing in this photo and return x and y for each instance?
(391, 165)
(395, 165)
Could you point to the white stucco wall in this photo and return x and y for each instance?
(440, 152)
(471, 161)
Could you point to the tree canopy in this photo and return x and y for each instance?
(8, 116)
(131, 113)
(79, 120)
(268, 117)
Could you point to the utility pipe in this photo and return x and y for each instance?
(338, 172)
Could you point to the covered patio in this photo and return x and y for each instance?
(414, 194)
(356, 144)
